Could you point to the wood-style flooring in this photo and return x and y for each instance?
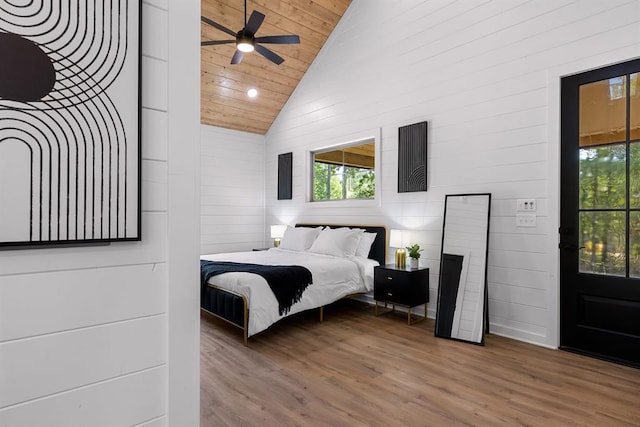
(355, 369)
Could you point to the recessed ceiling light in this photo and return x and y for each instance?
(252, 93)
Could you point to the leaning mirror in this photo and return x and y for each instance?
(462, 288)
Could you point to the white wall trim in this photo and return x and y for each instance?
(553, 290)
(183, 227)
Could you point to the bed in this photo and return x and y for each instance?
(246, 300)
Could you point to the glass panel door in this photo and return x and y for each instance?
(600, 213)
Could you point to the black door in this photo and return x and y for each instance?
(600, 213)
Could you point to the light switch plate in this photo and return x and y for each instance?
(527, 205)
(526, 220)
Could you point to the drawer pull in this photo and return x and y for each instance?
(389, 278)
(389, 294)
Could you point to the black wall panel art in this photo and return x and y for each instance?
(412, 158)
(69, 121)
(285, 176)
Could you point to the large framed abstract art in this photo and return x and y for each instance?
(69, 121)
(412, 158)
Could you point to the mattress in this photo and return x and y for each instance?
(333, 278)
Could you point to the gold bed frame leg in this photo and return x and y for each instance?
(322, 314)
(245, 330)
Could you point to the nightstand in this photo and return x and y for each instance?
(401, 286)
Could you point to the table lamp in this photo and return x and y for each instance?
(396, 240)
(277, 231)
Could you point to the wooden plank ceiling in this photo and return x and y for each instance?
(224, 100)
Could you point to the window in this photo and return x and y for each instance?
(345, 172)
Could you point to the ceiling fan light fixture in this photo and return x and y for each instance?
(245, 45)
(245, 39)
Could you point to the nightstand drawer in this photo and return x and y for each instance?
(393, 292)
(384, 275)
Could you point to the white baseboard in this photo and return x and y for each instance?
(501, 330)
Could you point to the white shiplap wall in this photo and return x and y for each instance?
(85, 331)
(232, 190)
(485, 75)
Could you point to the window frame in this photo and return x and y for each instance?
(356, 139)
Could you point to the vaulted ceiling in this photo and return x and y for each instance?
(224, 100)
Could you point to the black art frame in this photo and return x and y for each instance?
(70, 112)
(412, 158)
(285, 176)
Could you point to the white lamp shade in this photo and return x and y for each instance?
(277, 231)
(396, 239)
(399, 238)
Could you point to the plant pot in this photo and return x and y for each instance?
(414, 263)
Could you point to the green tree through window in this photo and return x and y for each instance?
(344, 173)
(603, 202)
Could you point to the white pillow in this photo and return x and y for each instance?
(364, 245)
(299, 238)
(337, 241)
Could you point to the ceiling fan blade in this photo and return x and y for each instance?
(271, 56)
(218, 26)
(216, 42)
(255, 20)
(237, 57)
(291, 39)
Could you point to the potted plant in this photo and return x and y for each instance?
(414, 254)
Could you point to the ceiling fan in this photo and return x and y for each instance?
(245, 39)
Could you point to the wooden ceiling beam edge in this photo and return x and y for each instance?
(238, 124)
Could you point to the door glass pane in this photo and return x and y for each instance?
(634, 177)
(603, 110)
(603, 177)
(635, 107)
(602, 238)
(634, 244)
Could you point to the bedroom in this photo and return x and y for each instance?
(495, 131)
(387, 86)
(492, 127)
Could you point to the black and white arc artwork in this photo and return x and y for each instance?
(69, 121)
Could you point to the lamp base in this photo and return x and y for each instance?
(276, 243)
(401, 258)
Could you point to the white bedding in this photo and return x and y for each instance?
(333, 278)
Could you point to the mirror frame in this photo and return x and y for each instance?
(460, 260)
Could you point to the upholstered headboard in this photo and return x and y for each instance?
(378, 248)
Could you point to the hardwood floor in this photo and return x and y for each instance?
(355, 369)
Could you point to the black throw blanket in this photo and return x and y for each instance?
(287, 282)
